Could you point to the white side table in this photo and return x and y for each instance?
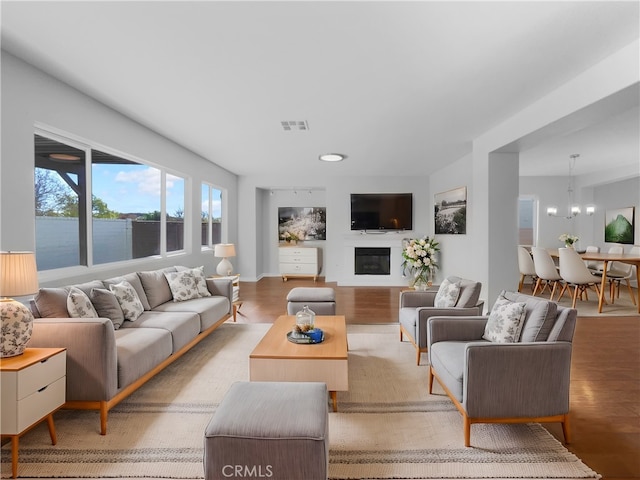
(33, 388)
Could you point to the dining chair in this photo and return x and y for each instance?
(526, 267)
(616, 272)
(546, 272)
(576, 274)
(592, 264)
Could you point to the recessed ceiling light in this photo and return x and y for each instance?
(332, 157)
(64, 157)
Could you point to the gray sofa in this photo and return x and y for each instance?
(108, 358)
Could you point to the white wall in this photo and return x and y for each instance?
(261, 258)
(30, 96)
(615, 73)
(590, 229)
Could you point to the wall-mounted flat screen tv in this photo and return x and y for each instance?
(381, 211)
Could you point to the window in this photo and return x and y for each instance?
(211, 215)
(136, 210)
(60, 203)
(527, 220)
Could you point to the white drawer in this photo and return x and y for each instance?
(40, 374)
(299, 268)
(298, 254)
(17, 416)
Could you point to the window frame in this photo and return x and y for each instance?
(223, 229)
(87, 242)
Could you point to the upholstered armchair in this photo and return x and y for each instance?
(512, 366)
(416, 307)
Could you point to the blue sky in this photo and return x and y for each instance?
(137, 188)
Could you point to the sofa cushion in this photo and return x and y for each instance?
(183, 326)
(469, 292)
(183, 285)
(210, 309)
(128, 299)
(540, 316)
(156, 287)
(447, 295)
(79, 305)
(139, 350)
(88, 286)
(447, 358)
(107, 306)
(52, 302)
(201, 280)
(505, 321)
(135, 282)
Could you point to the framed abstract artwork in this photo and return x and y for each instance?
(619, 225)
(450, 212)
(302, 223)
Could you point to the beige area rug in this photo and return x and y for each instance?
(387, 426)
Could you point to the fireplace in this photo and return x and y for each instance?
(372, 261)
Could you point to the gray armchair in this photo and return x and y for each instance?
(521, 382)
(417, 307)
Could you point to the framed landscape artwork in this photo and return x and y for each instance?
(451, 211)
(619, 225)
(302, 223)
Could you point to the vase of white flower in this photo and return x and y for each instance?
(419, 260)
(569, 240)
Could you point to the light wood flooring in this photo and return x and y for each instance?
(605, 374)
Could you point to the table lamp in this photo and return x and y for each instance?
(224, 250)
(18, 277)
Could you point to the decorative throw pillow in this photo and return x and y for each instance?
(79, 305)
(201, 282)
(128, 299)
(107, 306)
(183, 285)
(447, 295)
(505, 321)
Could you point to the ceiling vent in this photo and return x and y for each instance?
(299, 125)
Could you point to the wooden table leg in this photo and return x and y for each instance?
(52, 429)
(15, 440)
(334, 400)
(602, 285)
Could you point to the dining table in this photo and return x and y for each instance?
(606, 258)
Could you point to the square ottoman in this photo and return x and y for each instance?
(322, 300)
(275, 430)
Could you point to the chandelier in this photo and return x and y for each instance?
(573, 209)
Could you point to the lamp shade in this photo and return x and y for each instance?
(224, 250)
(18, 274)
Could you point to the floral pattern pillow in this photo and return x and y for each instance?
(447, 295)
(505, 321)
(79, 305)
(128, 299)
(201, 282)
(183, 285)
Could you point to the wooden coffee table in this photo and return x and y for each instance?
(276, 359)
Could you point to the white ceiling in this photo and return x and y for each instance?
(397, 86)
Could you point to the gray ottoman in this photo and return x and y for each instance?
(322, 300)
(275, 430)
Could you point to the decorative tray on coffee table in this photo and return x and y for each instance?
(303, 338)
